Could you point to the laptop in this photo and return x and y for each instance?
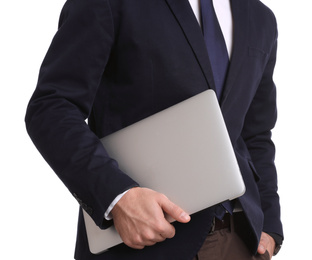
(183, 152)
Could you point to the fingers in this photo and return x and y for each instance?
(267, 243)
(174, 211)
(137, 241)
(139, 217)
(163, 229)
(261, 248)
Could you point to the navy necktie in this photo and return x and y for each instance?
(219, 60)
(215, 44)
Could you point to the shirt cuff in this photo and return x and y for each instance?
(107, 214)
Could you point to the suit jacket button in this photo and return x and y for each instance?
(87, 209)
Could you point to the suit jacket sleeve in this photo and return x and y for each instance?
(259, 121)
(55, 118)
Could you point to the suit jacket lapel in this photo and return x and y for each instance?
(240, 22)
(188, 22)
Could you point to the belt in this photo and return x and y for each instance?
(222, 224)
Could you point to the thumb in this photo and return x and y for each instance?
(261, 249)
(263, 244)
(173, 211)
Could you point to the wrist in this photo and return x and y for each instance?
(109, 212)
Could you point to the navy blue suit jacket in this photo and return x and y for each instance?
(115, 62)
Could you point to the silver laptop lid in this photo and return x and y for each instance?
(184, 152)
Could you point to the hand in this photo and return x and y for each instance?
(139, 217)
(267, 243)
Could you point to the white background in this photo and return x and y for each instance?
(38, 214)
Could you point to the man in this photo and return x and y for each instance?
(115, 62)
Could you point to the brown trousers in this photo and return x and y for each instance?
(225, 244)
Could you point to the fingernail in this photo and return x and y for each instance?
(261, 247)
(185, 216)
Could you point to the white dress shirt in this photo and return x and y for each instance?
(224, 15)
